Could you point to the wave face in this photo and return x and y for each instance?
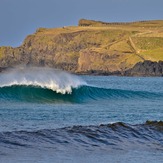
(49, 85)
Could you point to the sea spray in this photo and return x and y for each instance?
(56, 80)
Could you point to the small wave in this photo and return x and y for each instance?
(104, 136)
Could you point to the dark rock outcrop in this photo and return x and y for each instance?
(146, 68)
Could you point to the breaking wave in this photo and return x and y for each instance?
(56, 80)
(49, 85)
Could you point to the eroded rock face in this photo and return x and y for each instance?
(146, 68)
(90, 61)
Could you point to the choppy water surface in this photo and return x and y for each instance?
(51, 116)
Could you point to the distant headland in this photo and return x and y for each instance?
(93, 47)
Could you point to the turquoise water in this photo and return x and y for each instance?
(51, 116)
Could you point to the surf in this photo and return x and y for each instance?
(56, 80)
(36, 84)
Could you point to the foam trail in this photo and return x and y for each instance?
(56, 80)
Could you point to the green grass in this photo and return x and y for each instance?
(150, 23)
(2, 52)
(153, 55)
(148, 43)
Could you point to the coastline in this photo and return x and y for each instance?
(93, 48)
(141, 69)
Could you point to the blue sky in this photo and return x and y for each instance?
(18, 18)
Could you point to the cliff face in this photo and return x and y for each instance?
(108, 48)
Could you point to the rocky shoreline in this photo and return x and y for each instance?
(146, 68)
(142, 69)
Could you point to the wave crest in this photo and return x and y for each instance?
(56, 80)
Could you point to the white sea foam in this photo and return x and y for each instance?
(56, 80)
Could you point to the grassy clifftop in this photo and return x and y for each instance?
(91, 46)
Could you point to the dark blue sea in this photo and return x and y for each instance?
(51, 116)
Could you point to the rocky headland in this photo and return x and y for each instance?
(93, 47)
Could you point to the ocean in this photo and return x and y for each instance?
(49, 116)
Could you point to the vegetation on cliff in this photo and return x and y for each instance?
(93, 46)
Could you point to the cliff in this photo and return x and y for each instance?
(92, 47)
